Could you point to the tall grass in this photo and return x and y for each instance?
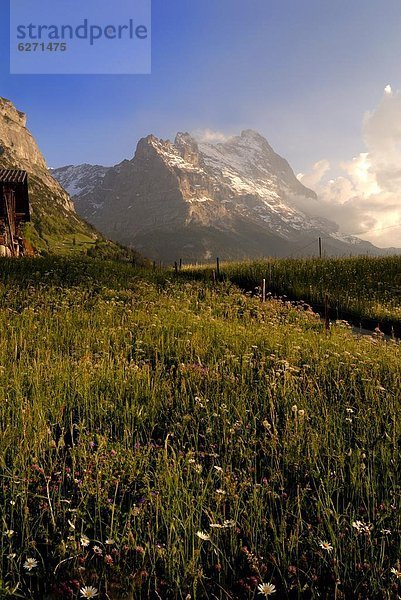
(176, 440)
(358, 287)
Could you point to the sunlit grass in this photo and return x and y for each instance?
(179, 439)
(357, 287)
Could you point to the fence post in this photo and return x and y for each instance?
(326, 312)
(264, 290)
(218, 268)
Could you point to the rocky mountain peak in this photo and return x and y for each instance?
(188, 147)
(19, 147)
(252, 135)
(237, 198)
(9, 111)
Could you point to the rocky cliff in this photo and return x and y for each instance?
(55, 225)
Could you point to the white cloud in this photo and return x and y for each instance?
(313, 178)
(367, 196)
(209, 136)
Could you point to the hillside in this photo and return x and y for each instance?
(236, 199)
(55, 226)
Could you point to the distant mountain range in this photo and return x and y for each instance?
(236, 199)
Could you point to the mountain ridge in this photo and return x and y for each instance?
(236, 198)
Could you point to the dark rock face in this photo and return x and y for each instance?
(236, 199)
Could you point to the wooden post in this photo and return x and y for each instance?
(326, 312)
(218, 268)
(180, 264)
(264, 290)
(154, 265)
(176, 267)
(320, 248)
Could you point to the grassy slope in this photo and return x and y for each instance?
(138, 412)
(57, 231)
(360, 287)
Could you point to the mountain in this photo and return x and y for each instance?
(235, 199)
(55, 225)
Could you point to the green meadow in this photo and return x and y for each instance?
(166, 436)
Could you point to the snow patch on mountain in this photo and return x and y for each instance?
(80, 179)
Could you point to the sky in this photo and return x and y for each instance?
(313, 76)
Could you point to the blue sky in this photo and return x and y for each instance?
(303, 73)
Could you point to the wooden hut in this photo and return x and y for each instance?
(14, 210)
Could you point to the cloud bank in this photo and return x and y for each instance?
(366, 198)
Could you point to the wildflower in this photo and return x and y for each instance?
(108, 559)
(325, 546)
(396, 572)
(11, 556)
(301, 413)
(216, 526)
(362, 527)
(229, 523)
(203, 536)
(219, 469)
(88, 591)
(110, 542)
(9, 533)
(85, 541)
(30, 564)
(97, 550)
(220, 492)
(267, 589)
(294, 408)
(386, 531)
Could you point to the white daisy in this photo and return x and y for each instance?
(325, 546)
(267, 589)
(30, 564)
(203, 536)
(88, 591)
